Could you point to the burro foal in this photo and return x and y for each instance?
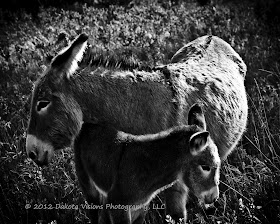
(127, 171)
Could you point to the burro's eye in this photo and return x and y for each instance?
(205, 168)
(42, 105)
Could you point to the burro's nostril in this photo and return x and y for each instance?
(215, 198)
(32, 155)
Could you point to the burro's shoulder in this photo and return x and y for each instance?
(212, 50)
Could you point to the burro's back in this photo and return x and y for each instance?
(209, 71)
(128, 171)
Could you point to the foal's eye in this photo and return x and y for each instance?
(205, 168)
(42, 105)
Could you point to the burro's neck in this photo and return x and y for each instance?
(135, 102)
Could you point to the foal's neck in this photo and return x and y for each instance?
(158, 159)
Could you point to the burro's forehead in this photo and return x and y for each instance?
(47, 84)
(213, 153)
(41, 88)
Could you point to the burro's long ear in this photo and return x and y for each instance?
(67, 59)
(196, 116)
(198, 142)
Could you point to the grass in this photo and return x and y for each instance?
(250, 181)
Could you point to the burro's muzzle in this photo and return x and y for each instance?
(209, 196)
(39, 151)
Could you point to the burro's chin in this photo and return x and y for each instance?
(207, 198)
(39, 151)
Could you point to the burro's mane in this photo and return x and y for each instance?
(114, 60)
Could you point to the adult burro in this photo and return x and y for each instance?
(129, 170)
(139, 100)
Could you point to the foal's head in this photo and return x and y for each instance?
(201, 171)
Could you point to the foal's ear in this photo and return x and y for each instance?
(66, 61)
(196, 116)
(198, 142)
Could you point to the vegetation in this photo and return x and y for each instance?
(152, 31)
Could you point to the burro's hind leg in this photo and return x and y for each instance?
(176, 199)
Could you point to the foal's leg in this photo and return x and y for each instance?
(114, 215)
(176, 199)
(141, 218)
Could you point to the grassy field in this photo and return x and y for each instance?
(152, 32)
